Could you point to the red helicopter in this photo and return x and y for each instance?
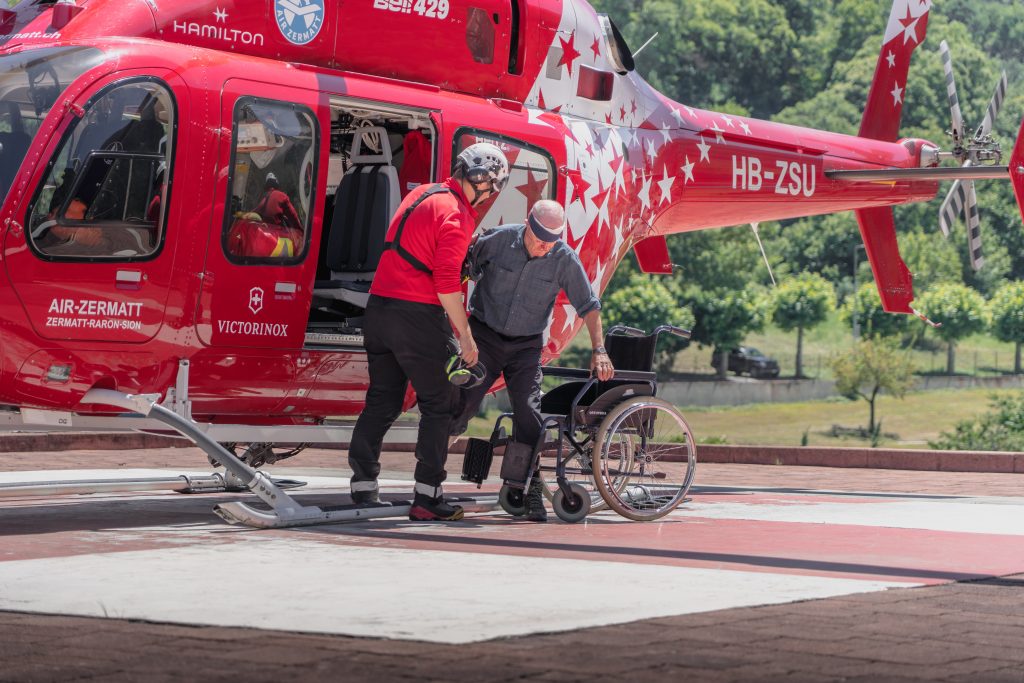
(144, 142)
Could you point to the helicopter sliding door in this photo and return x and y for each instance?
(90, 253)
(261, 260)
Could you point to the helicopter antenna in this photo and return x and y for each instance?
(646, 44)
(754, 227)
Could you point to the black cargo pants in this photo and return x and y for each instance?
(405, 342)
(518, 358)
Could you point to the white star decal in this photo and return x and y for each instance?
(688, 170)
(599, 276)
(220, 14)
(728, 121)
(897, 94)
(665, 185)
(652, 151)
(704, 148)
(620, 237)
(691, 112)
(645, 192)
(910, 33)
(745, 127)
(891, 58)
(666, 135)
(677, 115)
(718, 133)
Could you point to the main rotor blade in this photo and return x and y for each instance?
(994, 105)
(951, 207)
(973, 227)
(954, 100)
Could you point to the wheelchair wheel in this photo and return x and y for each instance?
(578, 470)
(574, 507)
(512, 501)
(648, 458)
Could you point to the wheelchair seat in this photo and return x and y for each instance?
(595, 405)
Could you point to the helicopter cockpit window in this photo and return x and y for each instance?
(531, 177)
(107, 190)
(30, 84)
(273, 174)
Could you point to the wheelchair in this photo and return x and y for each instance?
(611, 444)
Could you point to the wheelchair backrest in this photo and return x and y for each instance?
(631, 353)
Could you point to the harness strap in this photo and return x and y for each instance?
(396, 243)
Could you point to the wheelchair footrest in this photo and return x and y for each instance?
(476, 464)
(516, 464)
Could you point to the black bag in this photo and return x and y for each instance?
(476, 464)
(515, 466)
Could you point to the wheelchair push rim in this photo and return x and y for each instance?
(646, 443)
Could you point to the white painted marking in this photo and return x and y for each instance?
(447, 597)
(976, 516)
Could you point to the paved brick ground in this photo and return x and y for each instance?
(953, 632)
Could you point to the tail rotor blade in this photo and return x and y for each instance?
(952, 206)
(973, 227)
(994, 105)
(954, 100)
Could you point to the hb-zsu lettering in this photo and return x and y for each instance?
(791, 178)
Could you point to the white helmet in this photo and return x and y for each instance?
(483, 161)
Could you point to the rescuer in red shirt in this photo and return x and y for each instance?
(415, 301)
(275, 207)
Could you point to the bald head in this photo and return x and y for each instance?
(550, 214)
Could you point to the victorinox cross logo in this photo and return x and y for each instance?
(256, 300)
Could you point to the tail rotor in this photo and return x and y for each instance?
(979, 149)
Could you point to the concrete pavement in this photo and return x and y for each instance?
(768, 573)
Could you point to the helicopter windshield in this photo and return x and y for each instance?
(31, 82)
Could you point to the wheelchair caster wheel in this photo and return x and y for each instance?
(512, 501)
(574, 507)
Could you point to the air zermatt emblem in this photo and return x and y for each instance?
(299, 20)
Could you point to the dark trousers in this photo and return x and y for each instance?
(405, 342)
(518, 358)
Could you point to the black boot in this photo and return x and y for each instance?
(368, 497)
(429, 509)
(535, 511)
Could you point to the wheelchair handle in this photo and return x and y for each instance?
(672, 329)
(627, 331)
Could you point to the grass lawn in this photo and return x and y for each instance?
(907, 423)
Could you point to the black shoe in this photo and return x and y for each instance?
(427, 509)
(368, 498)
(535, 511)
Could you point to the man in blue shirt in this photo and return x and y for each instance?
(520, 269)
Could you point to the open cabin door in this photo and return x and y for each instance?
(261, 255)
(91, 249)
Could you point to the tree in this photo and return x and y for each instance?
(1007, 311)
(872, 320)
(961, 312)
(646, 302)
(802, 302)
(870, 367)
(1000, 429)
(725, 317)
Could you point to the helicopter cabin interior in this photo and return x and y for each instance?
(377, 156)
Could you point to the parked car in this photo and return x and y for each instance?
(748, 360)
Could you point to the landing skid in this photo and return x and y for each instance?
(284, 510)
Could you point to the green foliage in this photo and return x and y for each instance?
(724, 318)
(870, 367)
(646, 302)
(866, 306)
(1001, 429)
(960, 309)
(802, 301)
(1007, 312)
